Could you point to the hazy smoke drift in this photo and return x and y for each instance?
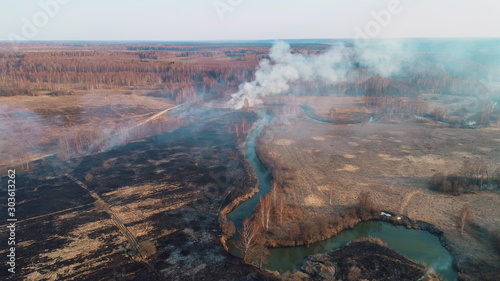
(277, 75)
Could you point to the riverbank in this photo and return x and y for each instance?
(323, 168)
(349, 220)
(356, 261)
(235, 221)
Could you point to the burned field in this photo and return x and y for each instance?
(368, 259)
(166, 191)
(126, 171)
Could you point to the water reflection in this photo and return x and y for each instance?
(417, 245)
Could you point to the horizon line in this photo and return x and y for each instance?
(229, 40)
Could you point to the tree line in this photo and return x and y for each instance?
(276, 222)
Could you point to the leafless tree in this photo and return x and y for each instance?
(439, 114)
(330, 194)
(465, 218)
(259, 255)
(365, 203)
(265, 206)
(281, 207)
(249, 236)
(246, 105)
(274, 192)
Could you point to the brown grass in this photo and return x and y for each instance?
(45, 125)
(395, 163)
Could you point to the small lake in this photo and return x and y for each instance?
(418, 245)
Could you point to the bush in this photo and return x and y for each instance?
(89, 177)
(365, 205)
(452, 184)
(61, 93)
(496, 241)
(10, 92)
(147, 249)
(354, 274)
(228, 228)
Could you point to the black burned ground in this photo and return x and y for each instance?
(167, 190)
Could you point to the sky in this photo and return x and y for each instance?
(203, 20)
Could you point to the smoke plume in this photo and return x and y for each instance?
(285, 69)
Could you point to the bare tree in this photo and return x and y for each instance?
(249, 238)
(481, 171)
(477, 170)
(265, 206)
(465, 218)
(467, 169)
(330, 194)
(281, 207)
(365, 203)
(246, 105)
(485, 114)
(261, 212)
(259, 255)
(439, 114)
(274, 192)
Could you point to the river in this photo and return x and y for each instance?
(417, 245)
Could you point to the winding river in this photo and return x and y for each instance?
(417, 245)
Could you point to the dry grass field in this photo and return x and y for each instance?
(112, 185)
(394, 160)
(78, 124)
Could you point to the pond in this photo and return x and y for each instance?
(417, 245)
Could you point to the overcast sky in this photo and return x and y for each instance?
(173, 20)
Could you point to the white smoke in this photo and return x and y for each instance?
(384, 57)
(275, 76)
(285, 69)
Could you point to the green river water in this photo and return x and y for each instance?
(417, 245)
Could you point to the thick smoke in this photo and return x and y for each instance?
(285, 69)
(384, 57)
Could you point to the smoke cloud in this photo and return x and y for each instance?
(285, 69)
(385, 58)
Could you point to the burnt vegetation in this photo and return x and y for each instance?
(196, 170)
(180, 196)
(472, 176)
(363, 259)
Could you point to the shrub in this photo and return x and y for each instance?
(354, 274)
(10, 92)
(365, 204)
(89, 177)
(496, 241)
(228, 228)
(147, 249)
